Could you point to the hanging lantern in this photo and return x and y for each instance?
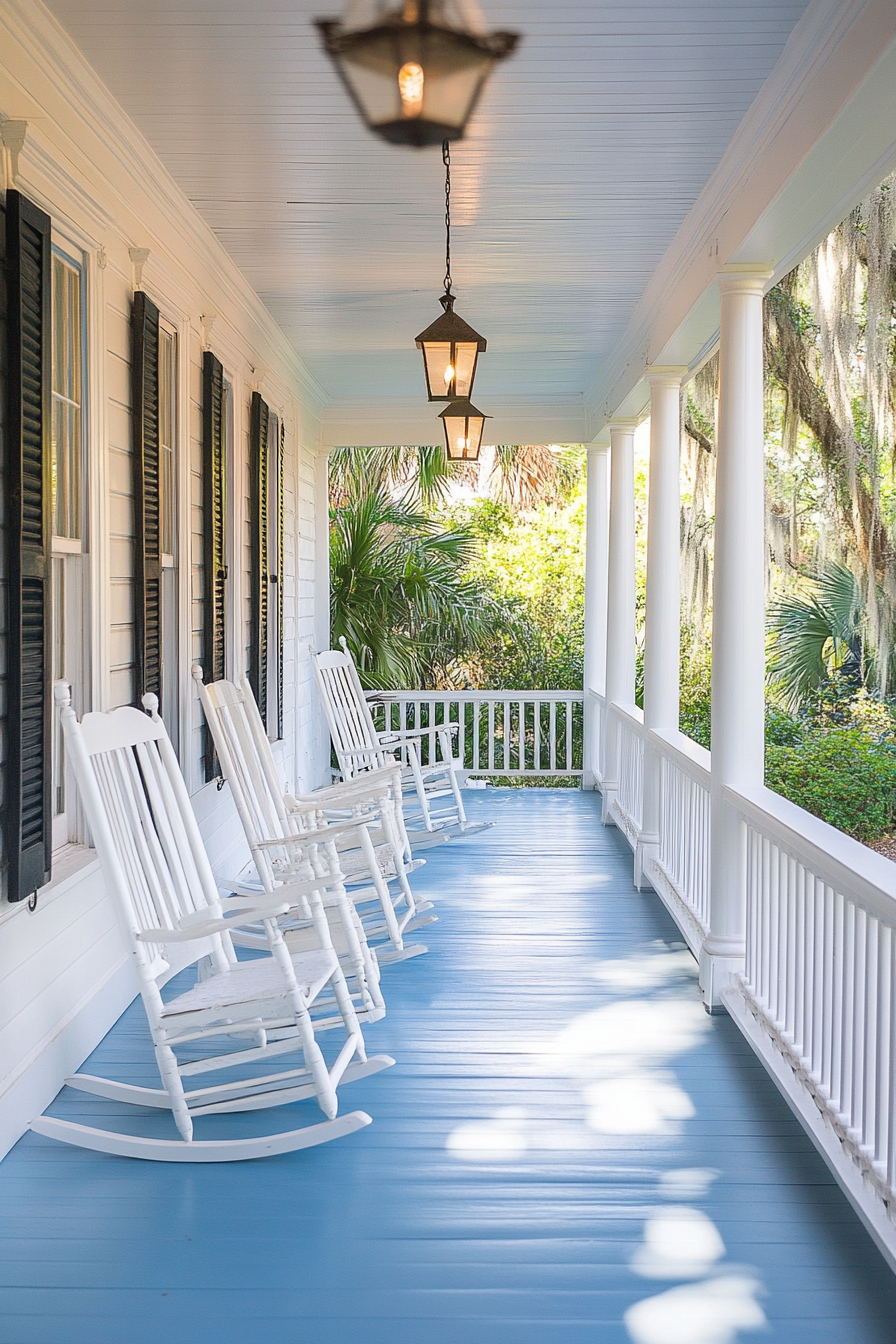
(416, 71)
(463, 430)
(450, 345)
(450, 348)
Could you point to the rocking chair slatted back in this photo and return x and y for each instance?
(143, 827)
(348, 715)
(248, 764)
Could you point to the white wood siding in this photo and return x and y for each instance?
(64, 977)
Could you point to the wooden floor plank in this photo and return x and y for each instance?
(558, 1093)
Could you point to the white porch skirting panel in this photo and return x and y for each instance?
(817, 996)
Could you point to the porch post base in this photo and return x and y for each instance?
(608, 797)
(647, 849)
(717, 973)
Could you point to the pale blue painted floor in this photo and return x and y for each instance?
(494, 1199)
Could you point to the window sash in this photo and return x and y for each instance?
(67, 428)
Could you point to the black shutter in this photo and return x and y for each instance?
(28, 814)
(259, 422)
(278, 578)
(148, 560)
(213, 509)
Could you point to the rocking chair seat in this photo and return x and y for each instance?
(251, 981)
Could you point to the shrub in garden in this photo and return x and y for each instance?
(842, 776)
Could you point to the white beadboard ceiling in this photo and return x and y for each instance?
(582, 160)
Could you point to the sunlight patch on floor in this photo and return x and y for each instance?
(713, 1312)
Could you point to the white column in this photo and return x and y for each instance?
(595, 672)
(738, 633)
(662, 614)
(620, 685)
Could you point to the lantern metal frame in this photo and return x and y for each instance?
(412, 34)
(464, 409)
(453, 331)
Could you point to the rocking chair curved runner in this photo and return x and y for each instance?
(172, 916)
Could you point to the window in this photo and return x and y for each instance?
(67, 511)
(168, 527)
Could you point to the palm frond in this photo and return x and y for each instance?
(814, 634)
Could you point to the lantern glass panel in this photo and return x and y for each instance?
(464, 368)
(450, 368)
(414, 86)
(463, 436)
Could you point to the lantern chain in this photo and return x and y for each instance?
(446, 159)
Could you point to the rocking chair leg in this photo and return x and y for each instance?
(381, 886)
(317, 1065)
(173, 1083)
(414, 760)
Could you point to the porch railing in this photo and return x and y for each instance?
(820, 970)
(629, 720)
(502, 734)
(817, 997)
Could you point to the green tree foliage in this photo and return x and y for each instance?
(534, 563)
(399, 594)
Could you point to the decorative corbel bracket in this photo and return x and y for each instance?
(207, 321)
(12, 133)
(139, 257)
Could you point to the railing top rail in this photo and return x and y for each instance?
(689, 756)
(841, 862)
(597, 695)
(466, 697)
(630, 714)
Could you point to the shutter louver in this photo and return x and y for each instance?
(147, 521)
(214, 567)
(259, 423)
(29, 830)
(279, 599)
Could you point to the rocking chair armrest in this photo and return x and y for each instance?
(380, 780)
(250, 914)
(399, 734)
(351, 752)
(316, 837)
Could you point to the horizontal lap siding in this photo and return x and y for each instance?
(64, 974)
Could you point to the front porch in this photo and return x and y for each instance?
(560, 1100)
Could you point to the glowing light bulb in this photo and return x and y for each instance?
(463, 444)
(449, 375)
(410, 86)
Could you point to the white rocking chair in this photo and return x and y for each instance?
(172, 916)
(360, 747)
(367, 843)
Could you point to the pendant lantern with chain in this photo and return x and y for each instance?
(450, 345)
